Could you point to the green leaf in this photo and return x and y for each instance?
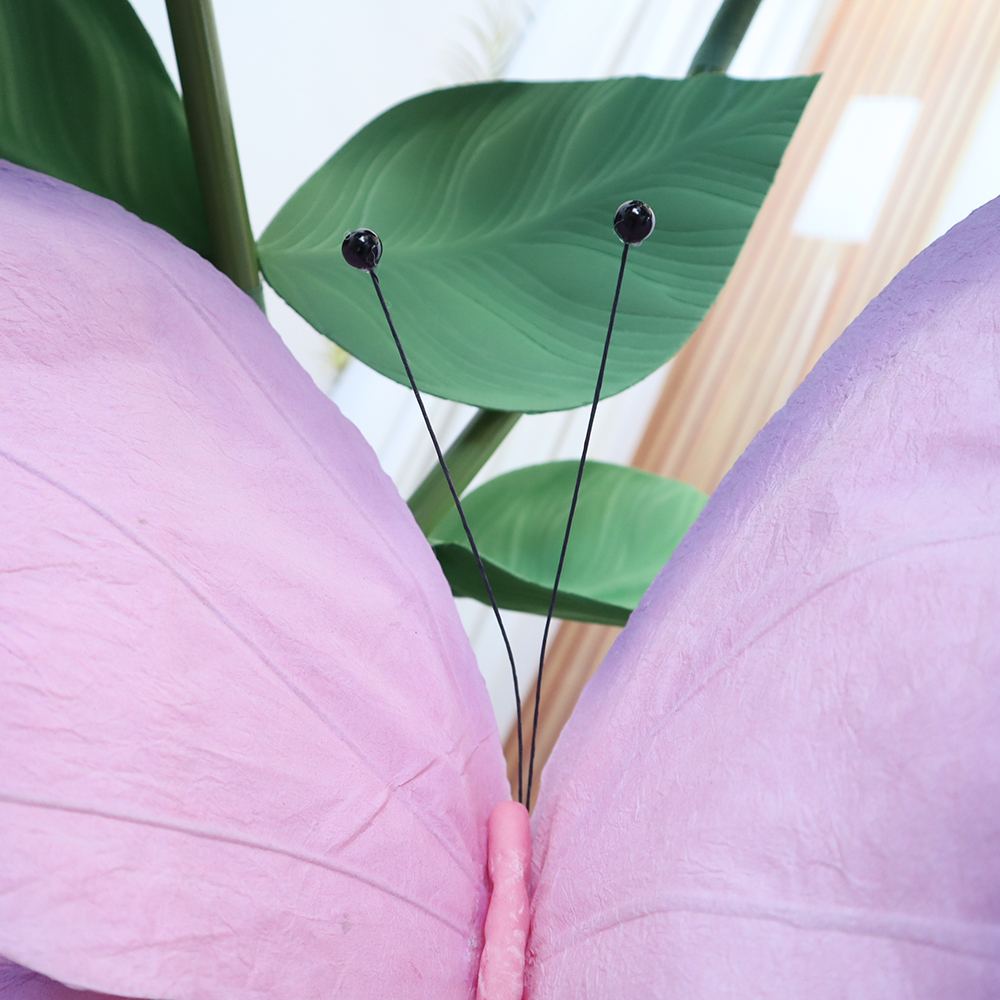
(627, 524)
(84, 97)
(494, 203)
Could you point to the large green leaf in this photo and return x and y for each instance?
(626, 526)
(85, 97)
(495, 202)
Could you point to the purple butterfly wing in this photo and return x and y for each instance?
(784, 781)
(19, 983)
(244, 747)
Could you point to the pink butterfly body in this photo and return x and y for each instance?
(246, 750)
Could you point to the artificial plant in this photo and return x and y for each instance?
(493, 202)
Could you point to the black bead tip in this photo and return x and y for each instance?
(634, 221)
(362, 249)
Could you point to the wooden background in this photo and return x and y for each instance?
(789, 296)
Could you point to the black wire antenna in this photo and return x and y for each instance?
(634, 221)
(363, 249)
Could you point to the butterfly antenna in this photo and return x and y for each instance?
(363, 249)
(634, 221)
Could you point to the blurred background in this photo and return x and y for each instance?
(900, 141)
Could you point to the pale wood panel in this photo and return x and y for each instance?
(789, 296)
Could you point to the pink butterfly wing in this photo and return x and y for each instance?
(784, 781)
(245, 747)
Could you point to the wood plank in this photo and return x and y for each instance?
(790, 296)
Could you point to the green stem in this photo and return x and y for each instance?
(210, 123)
(724, 36)
(479, 439)
(482, 436)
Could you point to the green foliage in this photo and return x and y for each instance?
(627, 525)
(479, 439)
(494, 203)
(85, 97)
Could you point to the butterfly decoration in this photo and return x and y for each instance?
(245, 750)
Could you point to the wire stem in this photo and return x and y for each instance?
(569, 520)
(471, 450)
(465, 523)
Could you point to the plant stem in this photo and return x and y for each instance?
(206, 102)
(482, 436)
(724, 36)
(479, 439)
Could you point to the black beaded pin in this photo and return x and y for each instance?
(363, 249)
(634, 221)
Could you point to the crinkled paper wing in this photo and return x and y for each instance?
(784, 781)
(19, 983)
(244, 747)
